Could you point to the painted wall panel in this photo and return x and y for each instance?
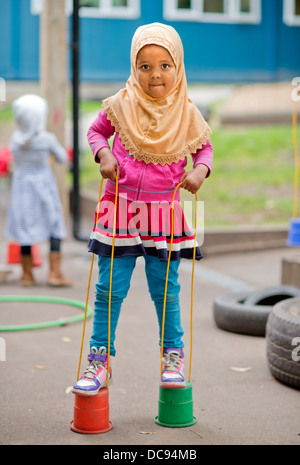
(214, 52)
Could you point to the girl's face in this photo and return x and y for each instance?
(156, 72)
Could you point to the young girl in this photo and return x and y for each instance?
(156, 128)
(35, 211)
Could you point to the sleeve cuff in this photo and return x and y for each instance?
(98, 146)
(206, 163)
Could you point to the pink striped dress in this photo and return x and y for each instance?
(144, 203)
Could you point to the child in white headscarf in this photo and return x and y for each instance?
(156, 128)
(35, 211)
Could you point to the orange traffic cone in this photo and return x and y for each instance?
(14, 254)
(91, 413)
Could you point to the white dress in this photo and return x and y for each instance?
(35, 211)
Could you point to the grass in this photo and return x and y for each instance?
(252, 178)
(6, 114)
(86, 106)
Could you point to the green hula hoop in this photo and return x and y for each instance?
(45, 299)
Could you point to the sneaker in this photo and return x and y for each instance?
(173, 368)
(94, 377)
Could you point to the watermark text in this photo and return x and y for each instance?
(2, 350)
(296, 90)
(296, 351)
(154, 219)
(2, 90)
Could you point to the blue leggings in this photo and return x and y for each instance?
(156, 277)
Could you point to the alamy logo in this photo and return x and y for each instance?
(2, 90)
(2, 350)
(296, 351)
(151, 219)
(296, 91)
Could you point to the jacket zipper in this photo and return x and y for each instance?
(140, 181)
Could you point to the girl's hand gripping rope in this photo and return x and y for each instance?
(109, 167)
(193, 180)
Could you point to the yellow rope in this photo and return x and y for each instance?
(296, 176)
(192, 286)
(110, 284)
(166, 285)
(88, 288)
(110, 279)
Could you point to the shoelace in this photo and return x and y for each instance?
(91, 370)
(171, 360)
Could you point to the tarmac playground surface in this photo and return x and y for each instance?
(235, 398)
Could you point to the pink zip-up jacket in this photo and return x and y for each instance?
(140, 181)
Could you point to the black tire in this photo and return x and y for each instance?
(283, 326)
(272, 295)
(231, 313)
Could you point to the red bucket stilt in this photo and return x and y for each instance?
(91, 413)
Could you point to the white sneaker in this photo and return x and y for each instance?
(173, 368)
(94, 377)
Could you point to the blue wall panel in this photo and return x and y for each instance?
(5, 42)
(214, 52)
(19, 40)
(105, 48)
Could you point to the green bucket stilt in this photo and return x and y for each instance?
(175, 407)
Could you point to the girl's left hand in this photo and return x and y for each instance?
(193, 180)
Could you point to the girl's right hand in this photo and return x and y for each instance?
(109, 167)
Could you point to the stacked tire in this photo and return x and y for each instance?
(283, 342)
(248, 312)
(274, 313)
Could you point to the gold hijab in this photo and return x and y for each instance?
(163, 130)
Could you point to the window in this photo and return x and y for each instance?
(248, 11)
(127, 9)
(89, 3)
(224, 11)
(245, 6)
(36, 7)
(184, 4)
(291, 12)
(213, 6)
